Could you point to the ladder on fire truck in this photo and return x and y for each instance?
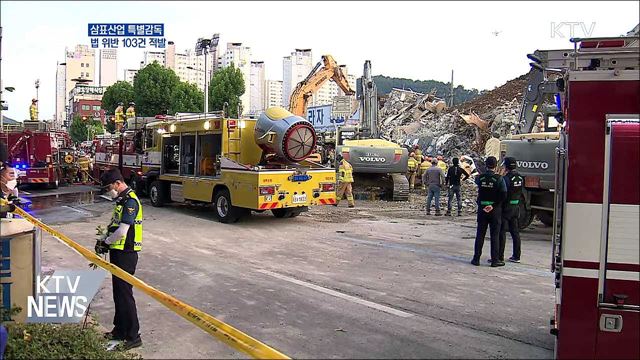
(26, 134)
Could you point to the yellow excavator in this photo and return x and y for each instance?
(325, 70)
(378, 165)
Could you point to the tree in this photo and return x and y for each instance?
(153, 87)
(186, 97)
(81, 128)
(227, 85)
(120, 92)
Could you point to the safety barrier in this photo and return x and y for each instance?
(222, 331)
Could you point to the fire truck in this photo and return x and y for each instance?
(597, 201)
(241, 165)
(132, 152)
(37, 152)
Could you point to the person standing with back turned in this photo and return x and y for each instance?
(452, 180)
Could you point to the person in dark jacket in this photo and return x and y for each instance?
(452, 180)
(510, 209)
(491, 193)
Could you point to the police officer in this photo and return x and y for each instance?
(123, 242)
(345, 178)
(491, 193)
(510, 209)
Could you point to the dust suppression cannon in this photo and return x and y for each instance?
(286, 136)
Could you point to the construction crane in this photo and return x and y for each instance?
(326, 69)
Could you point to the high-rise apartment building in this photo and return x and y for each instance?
(240, 56)
(79, 64)
(108, 67)
(295, 68)
(129, 74)
(257, 87)
(272, 93)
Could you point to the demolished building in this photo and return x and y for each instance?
(411, 118)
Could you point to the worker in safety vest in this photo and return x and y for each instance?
(345, 181)
(510, 209)
(426, 164)
(417, 151)
(491, 193)
(83, 164)
(441, 164)
(33, 110)
(131, 110)
(412, 167)
(123, 241)
(119, 113)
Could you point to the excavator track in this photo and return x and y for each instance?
(400, 187)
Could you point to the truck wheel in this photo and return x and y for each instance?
(55, 183)
(525, 216)
(546, 217)
(225, 212)
(136, 185)
(157, 193)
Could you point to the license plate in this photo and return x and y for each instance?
(302, 198)
(300, 178)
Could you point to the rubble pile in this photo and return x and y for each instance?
(410, 118)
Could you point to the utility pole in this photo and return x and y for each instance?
(451, 94)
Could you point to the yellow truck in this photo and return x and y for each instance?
(241, 165)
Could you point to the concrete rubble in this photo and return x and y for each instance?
(410, 118)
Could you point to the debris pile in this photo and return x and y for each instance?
(411, 118)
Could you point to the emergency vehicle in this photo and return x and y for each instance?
(595, 242)
(36, 152)
(127, 151)
(240, 165)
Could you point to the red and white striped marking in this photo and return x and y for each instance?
(327, 201)
(266, 206)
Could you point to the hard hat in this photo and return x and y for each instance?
(34, 100)
(132, 103)
(120, 104)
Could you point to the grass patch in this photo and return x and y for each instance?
(53, 341)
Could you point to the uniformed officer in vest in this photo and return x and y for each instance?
(491, 193)
(510, 209)
(123, 243)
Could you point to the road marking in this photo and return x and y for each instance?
(77, 210)
(25, 192)
(383, 308)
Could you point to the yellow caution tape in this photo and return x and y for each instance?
(224, 332)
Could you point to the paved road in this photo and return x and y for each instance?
(374, 287)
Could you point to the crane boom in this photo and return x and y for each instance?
(325, 70)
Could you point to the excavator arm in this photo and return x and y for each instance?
(325, 70)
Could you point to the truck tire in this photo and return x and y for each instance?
(525, 217)
(546, 217)
(55, 183)
(225, 212)
(158, 193)
(136, 185)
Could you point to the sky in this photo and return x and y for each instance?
(485, 43)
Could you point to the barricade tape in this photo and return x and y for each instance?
(224, 332)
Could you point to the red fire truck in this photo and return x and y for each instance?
(596, 244)
(36, 151)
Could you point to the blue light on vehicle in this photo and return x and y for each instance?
(558, 102)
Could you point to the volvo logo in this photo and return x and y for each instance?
(372, 159)
(533, 164)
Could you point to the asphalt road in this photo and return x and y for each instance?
(375, 285)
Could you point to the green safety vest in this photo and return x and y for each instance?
(137, 224)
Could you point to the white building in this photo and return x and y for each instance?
(154, 56)
(186, 65)
(240, 56)
(79, 64)
(129, 74)
(295, 68)
(257, 87)
(108, 67)
(272, 93)
(61, 112)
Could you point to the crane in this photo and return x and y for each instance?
(326, 69)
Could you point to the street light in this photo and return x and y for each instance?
(202, 48)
